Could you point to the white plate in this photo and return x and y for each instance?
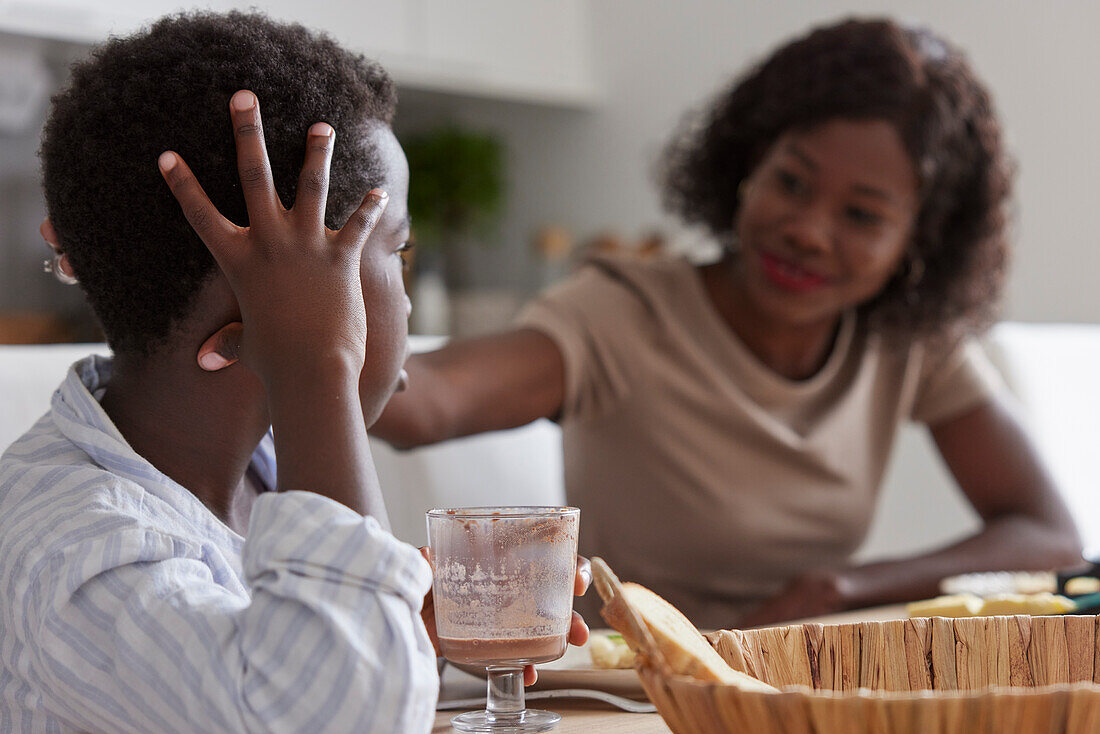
(1000, 582)
(575, 670)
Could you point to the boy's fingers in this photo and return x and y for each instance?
(427, 612)
(578, 630)
(313, 180)
(252, 163)
(359, 227)
(584, 576)
(211, 227)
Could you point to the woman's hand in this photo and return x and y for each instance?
(809, 595)
(1026, 525)
(297, 282)
(578, 630)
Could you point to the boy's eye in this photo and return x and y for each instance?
(402, 252)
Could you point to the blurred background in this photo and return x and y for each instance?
(553, 112)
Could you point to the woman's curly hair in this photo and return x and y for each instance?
(870, 69)
(168, 88)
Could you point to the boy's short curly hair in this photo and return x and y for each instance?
(168, 88)
(870, 69)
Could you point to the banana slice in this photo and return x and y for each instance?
(970, 605)
(610, 651)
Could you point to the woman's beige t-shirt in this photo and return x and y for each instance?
(701, 473)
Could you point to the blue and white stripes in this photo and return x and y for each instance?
(126, 606)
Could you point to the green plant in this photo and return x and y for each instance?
(455, 183)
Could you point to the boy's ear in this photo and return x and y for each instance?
(49, 234)
(221, 348)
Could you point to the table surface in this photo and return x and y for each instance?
(580, 716)
(586, 717)
(583, 718)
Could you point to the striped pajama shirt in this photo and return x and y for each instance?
(127, 606)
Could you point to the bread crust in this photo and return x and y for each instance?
(684, 649)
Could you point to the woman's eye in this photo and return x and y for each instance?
(859, 215)
(790, 182)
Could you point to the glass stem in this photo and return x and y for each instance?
(504, 697)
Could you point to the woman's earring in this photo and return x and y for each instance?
(914, 274)
(61, 269)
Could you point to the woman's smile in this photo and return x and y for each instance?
(790, 276)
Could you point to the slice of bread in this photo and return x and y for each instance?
(685, 650)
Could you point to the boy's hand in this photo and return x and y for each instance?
(303, 316)
(578, 630)
(296, 281)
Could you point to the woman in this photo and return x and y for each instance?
(726, 426)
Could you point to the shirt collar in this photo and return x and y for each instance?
(78, 415)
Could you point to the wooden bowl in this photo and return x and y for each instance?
(917, 676)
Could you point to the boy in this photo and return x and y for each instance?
(131, 599)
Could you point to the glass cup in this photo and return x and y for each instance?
(503, 590)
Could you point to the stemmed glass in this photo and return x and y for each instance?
(503, 590)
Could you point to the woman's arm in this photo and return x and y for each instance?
(1026, 525)
(475, 385)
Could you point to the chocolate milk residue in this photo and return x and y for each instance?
(506, 651)
(506, 583)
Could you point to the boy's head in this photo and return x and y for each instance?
(138, 260)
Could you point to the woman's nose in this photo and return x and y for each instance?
(810, 229)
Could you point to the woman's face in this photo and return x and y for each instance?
(825, 218)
